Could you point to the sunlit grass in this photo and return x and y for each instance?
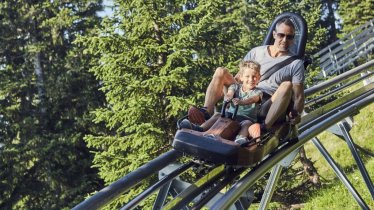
(333, 194)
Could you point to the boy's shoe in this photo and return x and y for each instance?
(198, 115)
(187, 124)
(241, 140)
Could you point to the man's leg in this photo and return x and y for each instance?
(221, 78)
(210, 122)
(280, 101)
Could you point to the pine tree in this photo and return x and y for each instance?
(355, 13)
(45, 100)
(329, 20)
(157, 57)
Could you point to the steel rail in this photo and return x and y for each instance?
(122, 185)
(250, 178)
(146, 193)
(195, 189)
(319, 98)
(339, 78)
(321, 115)
(217, 188)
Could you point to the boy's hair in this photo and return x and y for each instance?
(249, 64)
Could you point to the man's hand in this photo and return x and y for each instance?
(294, 117)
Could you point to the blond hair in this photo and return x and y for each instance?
(252, 64)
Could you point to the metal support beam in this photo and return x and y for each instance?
(122, 185)
(161, 196)
(185, 197)
(167, 178)
(270, 187)
(274, 177)
(344, 129)
(340, 174)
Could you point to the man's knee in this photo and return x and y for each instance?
(287, 86)
(221, 73)
(284, 91)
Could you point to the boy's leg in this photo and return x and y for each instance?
(243, 132)
(255, 131)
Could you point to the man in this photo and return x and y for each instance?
(283, 91)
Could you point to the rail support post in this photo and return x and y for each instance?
(344, 127)
(273, 179)
(340, 174)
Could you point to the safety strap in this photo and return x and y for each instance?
(276, 67)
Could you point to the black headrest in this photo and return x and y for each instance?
(301, 31)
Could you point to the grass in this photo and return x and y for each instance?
(333, 194)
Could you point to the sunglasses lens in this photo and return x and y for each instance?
(288, 37)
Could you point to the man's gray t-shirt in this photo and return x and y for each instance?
(294, 72)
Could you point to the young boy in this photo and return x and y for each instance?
(246, 96)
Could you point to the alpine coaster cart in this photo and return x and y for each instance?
(217, 144)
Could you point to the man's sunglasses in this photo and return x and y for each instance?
(282, 35)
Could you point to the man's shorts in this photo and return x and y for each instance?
(265, 106)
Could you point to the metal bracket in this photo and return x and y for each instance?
(177, 186)
(335, 129)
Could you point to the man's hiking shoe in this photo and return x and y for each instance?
(187, 124)
(198, 115)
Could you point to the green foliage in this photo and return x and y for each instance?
(329, 20)
(355, 13)
(155, 58)
(45, 100)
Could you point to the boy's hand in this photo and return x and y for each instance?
(228, 99)
(236, 101)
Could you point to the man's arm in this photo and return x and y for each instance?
(298, 107)
(298, 97)
(237, 77)
(229, 95)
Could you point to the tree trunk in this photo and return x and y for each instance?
(331, 21)
(309, 169)
(40, 84)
